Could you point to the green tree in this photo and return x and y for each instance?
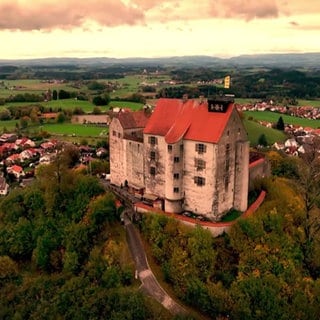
(262, 140)
(280, 124)
(54, 95)
(61, 117)
(5, 114)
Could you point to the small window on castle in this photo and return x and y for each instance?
(119, 135)
(153, 140)
(199, 164)
(176, 176)
(239, 131)
(176, 159)
(228, 133)
(176, 190)
(152, 171)
(227, 164)
(152, 155)
(169, 147)
(201, 148)
(114, 133)
(199, 181)
(226, 182)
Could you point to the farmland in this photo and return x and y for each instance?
(274, 116)
(125, 84)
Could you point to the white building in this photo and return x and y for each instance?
(192, 155)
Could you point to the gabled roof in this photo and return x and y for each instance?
(191, 120)
(16, 168)
(133, 120)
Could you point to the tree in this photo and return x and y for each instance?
(54, 95)
(262, 140)
(5, 114)
(280, 124)
(61, 117)
(64, 94)
(100, 101)
(96, 110)
(24, 121)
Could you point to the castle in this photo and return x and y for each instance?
(191, 155)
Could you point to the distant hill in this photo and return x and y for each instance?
(271, 60)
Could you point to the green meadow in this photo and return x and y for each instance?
(255, 130)
(301, 102)
(65, 104)
(126, 104)
(274, 117)
(59, 129)
(75, 130)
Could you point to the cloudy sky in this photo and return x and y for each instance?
(155, 28)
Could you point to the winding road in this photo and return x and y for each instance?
(149, 285)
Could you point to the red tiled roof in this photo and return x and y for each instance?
(131, 120)
(175, 119)
(16, 168)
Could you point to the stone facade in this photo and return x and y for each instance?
(199, 167)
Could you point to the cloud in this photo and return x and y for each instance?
(67, 14)
(49, 14)
(245, 9)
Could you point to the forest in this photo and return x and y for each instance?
(267, 267)
(63, 253)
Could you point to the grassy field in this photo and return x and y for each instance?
(86, 106)
(78, 130)
(254, 131)
(14, 87)
(301, 103)
(126, 104)
(9, 125)
(75, 130)
(130, 84)
(274, 117)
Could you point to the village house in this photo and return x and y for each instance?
(4, 187)
(16, 170)
(189, 155)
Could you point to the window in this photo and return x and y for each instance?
(176, 190)
(201, 148)
(169, 147)
(176, 176)
(199, 181)
(119, 135)
(153, 140)
(152, 171)
(152, 155)
(176, 159)
(114, 133)
(226, 181)
(227, 164)
(199, 164)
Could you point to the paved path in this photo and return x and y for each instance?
(150, 284)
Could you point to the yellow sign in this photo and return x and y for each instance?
(227, 82)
